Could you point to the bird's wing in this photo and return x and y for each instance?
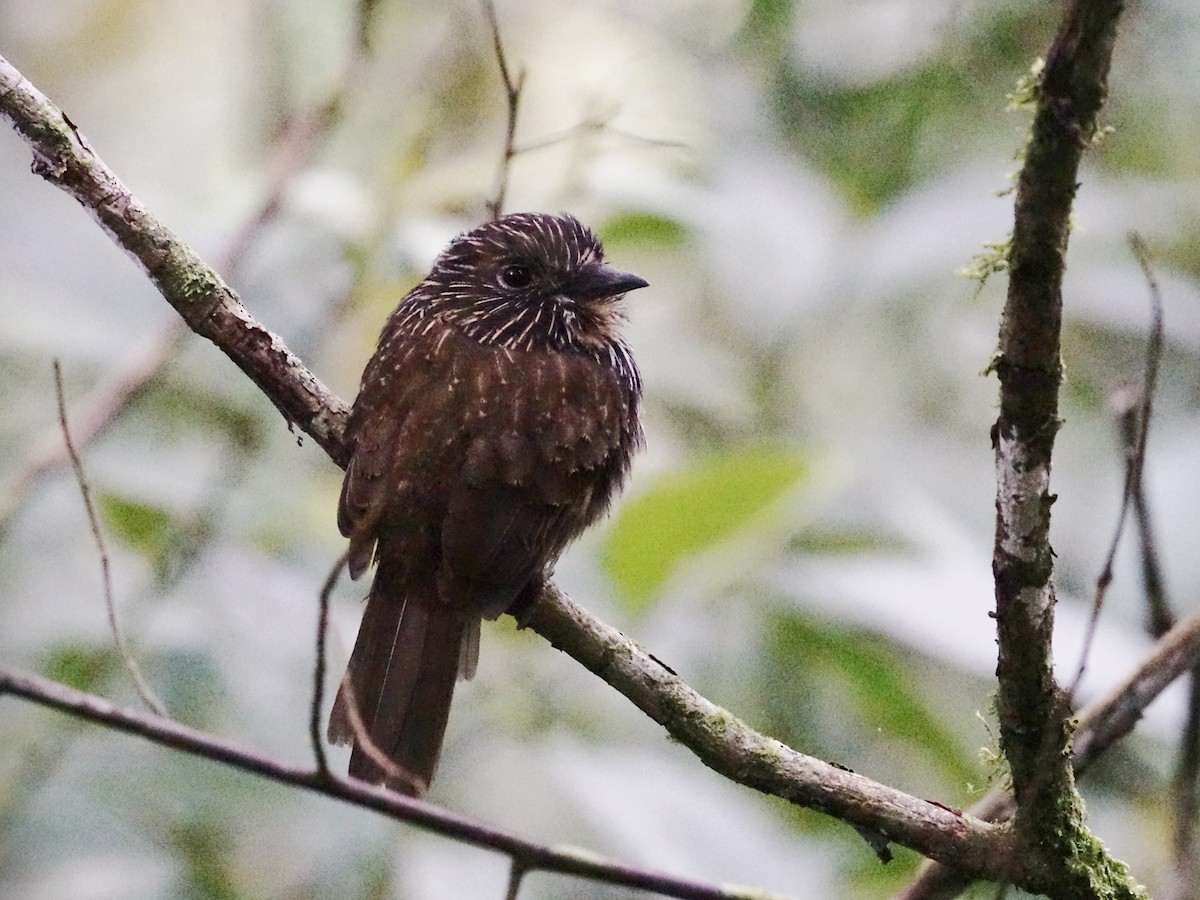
(383, 421)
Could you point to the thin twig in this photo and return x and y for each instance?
(93, 415)
(171, 734)
(1134, 421)
(394, 772)
(135, 672)
(1126, 405)
(318, 692)
(591, 125)
(512, 98)
(1185, 800)
(1136, 456)
(516, 874)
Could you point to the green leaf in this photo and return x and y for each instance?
(205, 847)
(643, 229)
(182, 408)
(686, 513)
(141, 526)
(85, 667)
(164, 538)
(877, 687)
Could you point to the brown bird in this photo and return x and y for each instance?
(494, 423)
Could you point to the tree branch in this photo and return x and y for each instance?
(531, 856)
(1033, 713)
(1102, 723)
(512, 99)
(149, 697)
(211, 309)
(730, 747)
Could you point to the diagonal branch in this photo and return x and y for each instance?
(198, 294)
(529, 855)
(732, 748)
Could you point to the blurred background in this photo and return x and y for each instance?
(807, 538)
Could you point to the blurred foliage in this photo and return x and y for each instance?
(165, 540)
(683, 515)
(83, 668)
(644, 230)
(825, 680)
(204, 846)
(807, 537)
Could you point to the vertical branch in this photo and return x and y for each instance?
(516, 874)
(135, 672)
(1033, 719)
(512, 96)
(1034, 715)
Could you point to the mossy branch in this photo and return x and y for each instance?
(1035, 718)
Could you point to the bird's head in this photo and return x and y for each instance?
(527, 281)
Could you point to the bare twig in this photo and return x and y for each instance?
(1185, 783)
(1151, 572)
(395, 773)
(592, 125)
(1133, 408)
(516, 874)
(512, 98)
(168, 733)
(1185, 801)
(135, 672)
(1107, 719)
(318, 692)
(93, 416)
(1135, 460)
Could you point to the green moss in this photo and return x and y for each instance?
(990, 261)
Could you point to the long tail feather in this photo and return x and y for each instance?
(401, 675)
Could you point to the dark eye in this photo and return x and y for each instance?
(515, 276)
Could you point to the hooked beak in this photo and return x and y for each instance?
(601, 282)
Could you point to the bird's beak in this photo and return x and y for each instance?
(601, 281)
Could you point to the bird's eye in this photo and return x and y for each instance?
(515, 276)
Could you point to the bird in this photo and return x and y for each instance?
(496, 420)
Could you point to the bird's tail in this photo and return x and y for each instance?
(409, 653)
